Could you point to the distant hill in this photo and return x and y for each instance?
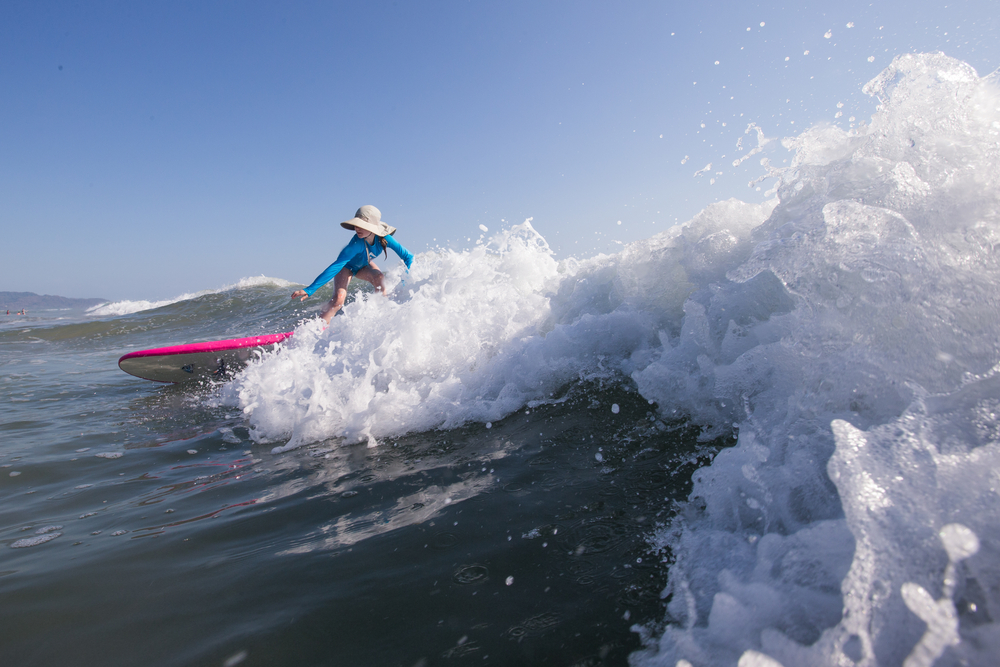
(31, 301)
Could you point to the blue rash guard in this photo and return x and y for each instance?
(356, 255)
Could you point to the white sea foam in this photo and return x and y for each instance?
(882, 374)
(473, 336)
(42, 535)
(849, 328)
(117, 308)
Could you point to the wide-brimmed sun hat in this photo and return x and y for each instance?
(369, 218)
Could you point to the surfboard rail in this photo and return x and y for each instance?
(194, 361)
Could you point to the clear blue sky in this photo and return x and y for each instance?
(149, 149)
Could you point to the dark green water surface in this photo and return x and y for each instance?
(181, 542)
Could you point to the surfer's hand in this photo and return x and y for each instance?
(300, 293)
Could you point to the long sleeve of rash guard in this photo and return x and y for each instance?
(403, 253)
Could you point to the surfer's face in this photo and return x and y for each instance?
(363, 234)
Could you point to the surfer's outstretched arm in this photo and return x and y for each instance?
(398, 248)
(350, 252)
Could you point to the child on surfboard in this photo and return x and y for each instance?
(372, 237)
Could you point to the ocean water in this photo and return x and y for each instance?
(768, 436)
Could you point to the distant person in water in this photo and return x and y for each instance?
(372, 237)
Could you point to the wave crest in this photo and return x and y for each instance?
(119, 308)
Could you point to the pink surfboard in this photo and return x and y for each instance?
(196, 361)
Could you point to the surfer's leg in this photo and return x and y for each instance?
(340, 282)
(372, 275)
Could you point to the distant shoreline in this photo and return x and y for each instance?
(29, 301)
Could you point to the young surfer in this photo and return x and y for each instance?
(372, 237)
